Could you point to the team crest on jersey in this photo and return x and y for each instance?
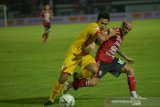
(97, 28)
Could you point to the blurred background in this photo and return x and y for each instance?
(32, 8)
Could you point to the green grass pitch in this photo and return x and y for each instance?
(28, 68)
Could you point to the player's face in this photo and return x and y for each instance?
(126, 28)
(47, 7)
(103, 24)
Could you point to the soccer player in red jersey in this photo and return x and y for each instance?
(107, 62)
(46, 16)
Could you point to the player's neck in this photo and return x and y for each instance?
(47, 10)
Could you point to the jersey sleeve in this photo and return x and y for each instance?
(94, 29)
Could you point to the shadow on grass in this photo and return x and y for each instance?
(89, 98)
(38, 100)
(33, 100)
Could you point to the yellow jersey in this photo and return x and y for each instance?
(86, 37)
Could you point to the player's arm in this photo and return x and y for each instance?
(42, 16)
(90, 47)
(97, 42)
(103, 36)
(104, 32)
(123, 55)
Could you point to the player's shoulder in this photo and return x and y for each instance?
(93, 25)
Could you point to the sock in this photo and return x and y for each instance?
(132, 85)
(134, 94)
(56, 89)
(83, 74)
(80, 83)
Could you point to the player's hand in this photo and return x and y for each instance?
(112, 32)
(77, 57)
(129, 60)
(89, 48)
(105, 31)
(92, 46)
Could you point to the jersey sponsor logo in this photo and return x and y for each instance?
(114, 47)
(120, 62)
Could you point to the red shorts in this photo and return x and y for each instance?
(47, 24)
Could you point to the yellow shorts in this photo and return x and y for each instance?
(72, 61)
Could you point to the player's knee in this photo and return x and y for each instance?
(63, 78)
(128, 70)
(95, 69)
(131, 71)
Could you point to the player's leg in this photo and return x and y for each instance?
(46, 33)
(84, 82)
(131, 79)
(121, 67)
(87, 72)
(57, 88)
(90, 68)
(67, 70)
(103, 68)
(58, 85)
(83, 77)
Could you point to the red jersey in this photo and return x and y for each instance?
(108, 49)
(46, 15)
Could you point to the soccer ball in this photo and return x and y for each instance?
(66, 100)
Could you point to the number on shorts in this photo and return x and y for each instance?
(120, 62)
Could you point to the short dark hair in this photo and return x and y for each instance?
(103, 15)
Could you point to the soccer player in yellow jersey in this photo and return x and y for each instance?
(78, 53)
